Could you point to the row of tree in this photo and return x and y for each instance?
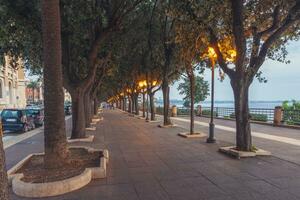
(104, 48)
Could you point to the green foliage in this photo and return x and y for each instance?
(33, 85)
(207, 113)
(254, 117)
(291, 113)
(201, 90)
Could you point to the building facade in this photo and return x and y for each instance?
(12, 85)
(34, 95)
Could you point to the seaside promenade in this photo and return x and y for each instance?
(151, 163)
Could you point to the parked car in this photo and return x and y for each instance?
(37, 114)
(16, 120)
(68, 109)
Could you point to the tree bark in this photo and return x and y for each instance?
(55, 143)
(144, 105)
(124, 104)
(192, 92)
(137, 110)
(95, 110)
(166, 99)
(152, 106)
(129, 104)
(87, 109)
(132, 104)
(3, 173)
(242, 114)
(78, 116)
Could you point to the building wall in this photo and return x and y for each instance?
(12, 90)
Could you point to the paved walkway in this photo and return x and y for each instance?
(284, 143)
(150, 163)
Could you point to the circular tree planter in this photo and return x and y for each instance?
(47, 189)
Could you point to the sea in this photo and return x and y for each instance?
(225, 104)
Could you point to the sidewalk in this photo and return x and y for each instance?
(284, 143)
(150, 163)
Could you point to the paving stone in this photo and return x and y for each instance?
(149, 163)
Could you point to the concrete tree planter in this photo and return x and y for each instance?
(38, 190)
(89, 138)
(95, 120)
(93, 128)
(189, 135)
(167, 126)
(152, 121)
(231, 150)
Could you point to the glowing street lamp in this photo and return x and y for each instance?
(230, 57)
(212, 56)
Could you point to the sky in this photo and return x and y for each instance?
(283, 81)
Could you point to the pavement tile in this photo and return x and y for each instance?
(149, 163)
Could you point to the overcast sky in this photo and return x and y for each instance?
(283, 81)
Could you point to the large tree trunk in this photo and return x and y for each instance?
(152, 106)
(192, 92)
(3, 173)
(55, 143)
(129, 104)
(144, 105)
(95, 110)
(132, 104)
(124, 104)
(137, 110)
(242, 114)
(78, 116)
(87, 109)
(166, 98)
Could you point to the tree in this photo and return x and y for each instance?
(255, 30)
(33, 85)
(201, 90)
(3, 173)
(193, 94)
(56, 152)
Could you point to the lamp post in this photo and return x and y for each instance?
(212, 56)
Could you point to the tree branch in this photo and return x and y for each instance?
(292, 17)
(238, 32)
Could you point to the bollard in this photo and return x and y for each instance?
(278, 115)
(174, 111)
(199, 110)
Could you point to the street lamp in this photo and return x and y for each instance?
(229, 57)
(212, 56)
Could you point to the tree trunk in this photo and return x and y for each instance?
(144, 105)
(137, 110)
(152, 106)
(87, 109)
(192, 92)
(129, 104)
(95, 110)
(124, 104)
(243, 130)
(132, 104)
(3, 173)
(55, 143)
(78, 116)
(166, 98)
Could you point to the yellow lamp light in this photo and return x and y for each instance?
(211, 52)
(231, 55)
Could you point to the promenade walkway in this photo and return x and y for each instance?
(150, 163)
